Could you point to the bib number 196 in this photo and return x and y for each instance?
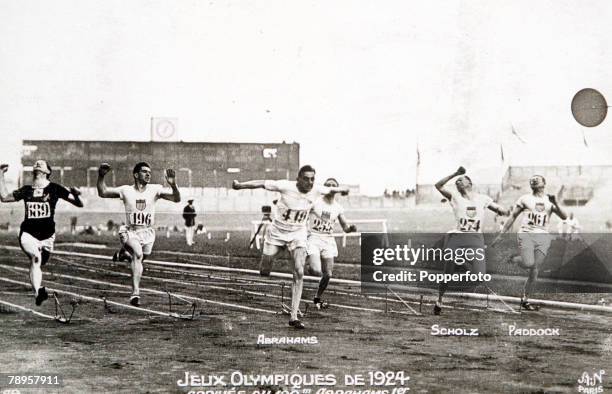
(140, 218)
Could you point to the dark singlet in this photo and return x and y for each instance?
(39, 204)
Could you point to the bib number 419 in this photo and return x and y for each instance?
(295, 216)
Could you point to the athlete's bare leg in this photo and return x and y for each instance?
(133, 246)
(526, 259)
(267, 258)
(533, 274)
(299, 260)
(328, 267)
(314, 262)
(35, 271)
(449, 268)
(33, 251)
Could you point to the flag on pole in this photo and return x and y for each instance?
(517, 135)
(418, 164)
(584, 140)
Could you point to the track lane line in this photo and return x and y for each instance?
(515, 300)
(204, 300)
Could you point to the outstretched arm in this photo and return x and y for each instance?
(343, 190)
(440, 184)
(256, 184)
(175, 196)
(74, 197)
(103, 190)
(5, 196)
(556, 207)
(498, 209)
(516, 211)
(345, 226)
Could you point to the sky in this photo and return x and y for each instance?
(359, 84)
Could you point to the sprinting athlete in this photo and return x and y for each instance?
(138, 236)
(37, 232)
(533, 236)
(322, 248)
(469, 209)
(288, 229)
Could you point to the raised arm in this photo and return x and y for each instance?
(5, 196)
(256, 184)
(556, 207)
(175, 196)
(440, 184)
(345, 226)
(103, 190)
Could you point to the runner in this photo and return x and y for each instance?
(37, 232)
(533, 236)
(138, 236)
(288, 229)
(322, 248)
(469, 209)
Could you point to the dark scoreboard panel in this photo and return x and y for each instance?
(198, 164)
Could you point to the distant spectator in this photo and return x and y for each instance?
(73, 224)
(189, 214)
(89, 230)
(569, 227)
(263, 227)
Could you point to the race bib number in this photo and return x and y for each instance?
(322, 226)
(293, 216)
(469, 225)
(141, 218)
(38, 210)
(537, 219)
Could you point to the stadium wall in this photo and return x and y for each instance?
(206, 201)
(202, 165)
(556, 176)
(573, 185)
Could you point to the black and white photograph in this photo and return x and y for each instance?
(305, 197)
